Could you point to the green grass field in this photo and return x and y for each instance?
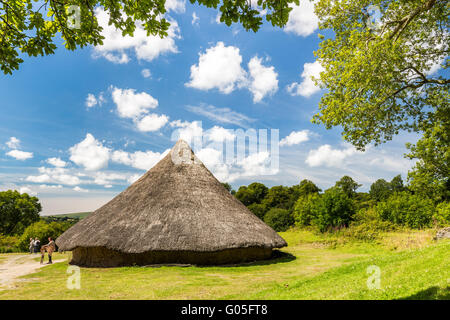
(412, 266)
(80, 215)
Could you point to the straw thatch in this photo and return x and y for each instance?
(177, 212)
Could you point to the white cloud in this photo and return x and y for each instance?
(146, 73)
(57, 162)
(139, 159)
(115, 46)
(187, 131)
(152, 122)
(325, 155)
(54, 175)
(103, 178)
(27, 190)
(302, 19)
(263, 79)
(78, 189)
(90, 153)
(131, 104)
(219, 134)
(219, 67)
(13, 143)
(224, 115)
(295, 137)
(20, 155)
(91, 100)
(176, 6)
(307, 87)
(195, 19)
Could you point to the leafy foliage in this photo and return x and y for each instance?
(43, 231)
(258, 209)
(254, 193)
(406, 209)
(30, 27)
(348, 185)
(279, 219)
(333, 209)
(303, 210)
(442, 214)
(17, 211)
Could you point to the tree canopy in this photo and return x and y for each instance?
(30, 26)
(17, 211)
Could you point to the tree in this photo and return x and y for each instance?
(278, 197)
(332, 209)
(380, 190)
(42, 230)
(348, 185)
(227, 186)
(258, 209)
(396, 184)
(304, 188)
(254, 193)
(17, 211)
(303, 210)
(278, 219)
(407, 209)
(380, 77)
(30, 28)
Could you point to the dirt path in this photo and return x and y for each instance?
(16, 266)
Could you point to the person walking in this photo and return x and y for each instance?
(51, 247)
(31, 245)
(37, 245)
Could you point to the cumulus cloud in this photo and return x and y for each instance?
(131, 104)
(176, 6)
(27, 190)
(13, 143)
(78, 189)
(90, 153)
(219, 134)
(302, 19)
(295, 137)
(20, 155)
(92, 100)
(325, 155)
(186, 130)
(139, 159)
(152, 122)
(307, 87)
(146, 73)
(115, 47)
(56, 162)
(219, 67)
(263, 80)
(55, 175)
(223, 115)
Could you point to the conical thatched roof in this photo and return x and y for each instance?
(173, 207)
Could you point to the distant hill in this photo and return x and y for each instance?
(68, 217)
(79, 215)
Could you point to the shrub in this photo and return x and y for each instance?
(367, 226)
(279, 219)
(43, 231)
(303, 210)
(441, 217)
(406, 209)
(332, 209)
(258, 209)
(8, 244)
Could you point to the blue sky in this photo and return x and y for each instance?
(78, 127)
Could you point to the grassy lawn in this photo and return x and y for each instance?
(412, 265)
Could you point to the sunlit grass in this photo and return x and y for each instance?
(313, 267)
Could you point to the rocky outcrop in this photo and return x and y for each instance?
(443, 234)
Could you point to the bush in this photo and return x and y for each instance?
(8, 244)
(303, 209)
(258, 209)
(334, 209)
(43, 231)
(441, 217)
(279, 219)
(406, 209)
(367, 226)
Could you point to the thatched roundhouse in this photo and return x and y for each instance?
(177, 212)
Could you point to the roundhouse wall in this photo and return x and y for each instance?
(103, 257)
